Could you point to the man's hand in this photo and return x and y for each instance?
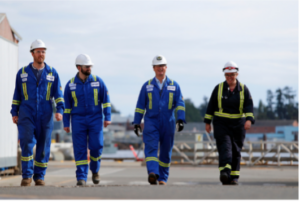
(137, 130)
(58, 116)
(208, 128)
(67, 129)
(15, 119)
(106, 123)
(247, 125)
(179, 125)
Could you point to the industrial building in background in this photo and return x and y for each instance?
(9, 55)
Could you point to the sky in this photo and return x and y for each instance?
(196, 37)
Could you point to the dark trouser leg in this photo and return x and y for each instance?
(224, 147)
(237, 144)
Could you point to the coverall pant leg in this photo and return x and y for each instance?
(166, 145)
(95, 127)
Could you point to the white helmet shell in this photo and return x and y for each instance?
(37, 44)
(230, 67)
(159, 60)
(84, 60)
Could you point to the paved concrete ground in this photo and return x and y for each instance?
(128, 180)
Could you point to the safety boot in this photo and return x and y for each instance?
(81, 183)
(39, 182)
(162, 183)
(152, 179)
(224, 178)
(234, 182)
(26, 182)
(96, 178)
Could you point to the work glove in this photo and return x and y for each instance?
(179, 125)
(137, 130)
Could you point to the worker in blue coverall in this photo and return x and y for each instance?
(159, 97)
(36, 85)
(85, 94)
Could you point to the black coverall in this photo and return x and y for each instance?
(229, 111)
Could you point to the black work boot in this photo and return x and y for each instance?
(224, 178)
(152, 179)
(234, 182)
(81, 183)
(96, 178)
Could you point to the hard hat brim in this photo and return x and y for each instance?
(230, 71)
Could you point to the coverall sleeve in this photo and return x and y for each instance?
(211, 107)
(58, 96)
(248, 106)
(140, 106)
(104, 98)
(179, 105)
(16, 98)
(68, 106)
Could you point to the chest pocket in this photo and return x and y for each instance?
(49, 85)
(24, 86)
(171, 96)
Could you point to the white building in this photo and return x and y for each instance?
(9, 66)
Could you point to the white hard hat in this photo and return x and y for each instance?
(37, 44)
(83, 59)
(230, 67)
(159, 60)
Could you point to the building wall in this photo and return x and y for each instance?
(8, 130)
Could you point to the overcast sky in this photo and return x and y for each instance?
(196, 37)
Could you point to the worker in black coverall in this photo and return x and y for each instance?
(231, 108)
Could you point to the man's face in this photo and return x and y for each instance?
(86, 70)
(160, 70)
(39, 55)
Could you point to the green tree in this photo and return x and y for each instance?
(192, 114)
(203, 107)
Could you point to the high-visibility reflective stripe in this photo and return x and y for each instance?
(227, 115)
(241, 99)
(139, 110)
(235, 173)
(74, 98)
(27, 158)
(249, 115)
(151, 159)
(149, 82)
(170, 100)
(95, 78)
(83, 162)
(95, 159)
(207, 116)
(49, 88)
(164, 164)
(39, 164)
(150, 100)
(67, 111)
(220, 93)
(60, 99)
(227, 166)
(25, 91)
(180, 108)
(172, 82)
(23, 69)
(16, 102)
(72, 80)
(106, 105)
(96, 96)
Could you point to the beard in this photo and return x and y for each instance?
(39, 60)
(87, 72)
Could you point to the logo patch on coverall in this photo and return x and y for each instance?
(24, 79)
(24, 75)
(50, 77)
(95, 84)
(172, 88)
(149, 88)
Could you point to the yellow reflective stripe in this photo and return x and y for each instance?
(39, 164)
(150, 100)
(83, 162)
(26, 158)
(151, 159)
(170, 100)
(227, 166)
(106, 105)
(16, 102)
(164, 164)
(172, 83)
(242, 98)
(249, 115)
(220, 93)
(72, 80)
(48, 90)
(180, 108)
(23, 69)
(95, 159)
(149, 82)
(235, 173)
(25, 91)
(74, 98)
(67, 111)
(95, 78)
(227, 115)
(139, 110)
(207, 116)
(60, 99)
(96, 96)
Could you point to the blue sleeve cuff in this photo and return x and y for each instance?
(60, 110)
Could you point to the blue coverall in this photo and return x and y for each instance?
(84, 104)
(32, 102)
(159, 123)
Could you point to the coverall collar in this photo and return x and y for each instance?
(45, 72)
(89, 79)
(238, 85)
